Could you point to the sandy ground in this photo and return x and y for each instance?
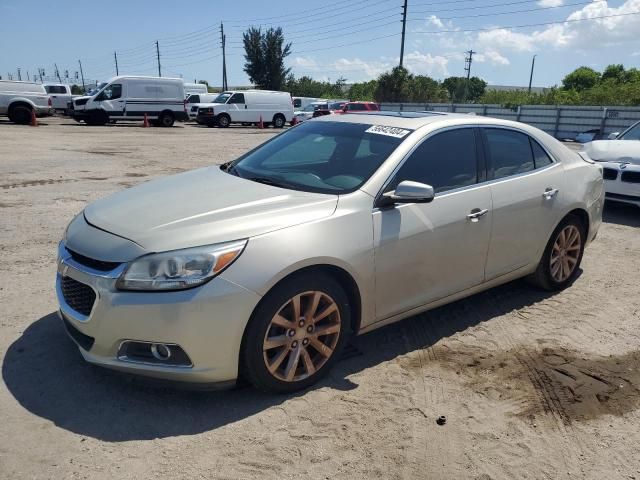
(533, 385)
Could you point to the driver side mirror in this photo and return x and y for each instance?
(613, 136)
(408, 191)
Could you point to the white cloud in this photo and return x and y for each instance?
(550, 3)
(435, 21)
(305, 62)
(493, 57)
(426, 64)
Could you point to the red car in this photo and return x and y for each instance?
(346, 107)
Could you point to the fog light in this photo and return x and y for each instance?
(160, 351)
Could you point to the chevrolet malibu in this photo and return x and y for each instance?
(264, 266)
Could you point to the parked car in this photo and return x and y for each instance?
(130, 98)
(194, 100)
(620, 159)
(331, 107)
(307, 112)
(19, 99)
(195, 88)
(351, 107)
(265, 265)
(60, 96)
(247, 106)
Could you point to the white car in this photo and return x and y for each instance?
(620, 160)
(307, 112)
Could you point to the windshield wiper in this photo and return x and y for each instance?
(272, 182)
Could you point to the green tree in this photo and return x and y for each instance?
(394, 86)
(614, 72)
(363, 90)
(77, 90)
(581, 79)
(426, 89)
(264, 57)
(459, 91)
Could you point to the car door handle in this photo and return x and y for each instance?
(549, 193)
(476, 213)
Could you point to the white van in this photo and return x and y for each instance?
(299, 103)
(195, 88)
(60, 96)
(130, 98)
(195, 99)
(247, 106)
(19, 99)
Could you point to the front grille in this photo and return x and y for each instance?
(85, 341)
(609, 173)
(631, 177)
(78, 296)
(92, 262)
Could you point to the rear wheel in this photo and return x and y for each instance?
(562, 256)
(97, 119)
(296, 334)
(166, 119)
(278, 121)
(224, 120)
(20, 114)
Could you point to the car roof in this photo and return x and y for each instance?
(415, 120)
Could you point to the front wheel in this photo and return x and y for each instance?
(224, 121)
(562, 256)
(296, 334)
(20, 115)
(166, 120)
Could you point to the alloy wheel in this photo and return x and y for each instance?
(565, 253)
(302, 336)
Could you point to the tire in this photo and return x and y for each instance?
(97, 119)
(279, 121)
(166, 119)
(298, 356)
(552, 274)
(20, 114)
(224, 120)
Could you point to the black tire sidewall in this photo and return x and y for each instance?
(278, 121)
(252, 359)
(21, 115)
(163, 119)
(545, 264)
(224, 121)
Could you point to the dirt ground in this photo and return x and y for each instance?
(533, 385)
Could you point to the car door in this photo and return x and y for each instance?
(112, 100)
(237, 108)
(525, 185)
(427, 251)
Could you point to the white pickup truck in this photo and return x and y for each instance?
(60, 96)
(19, 99)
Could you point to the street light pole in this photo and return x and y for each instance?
(533, 62)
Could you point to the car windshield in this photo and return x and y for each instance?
(309, 108)
(337, 105)
(93, 91)
(324, 157)
(633, 133)
(222, 98)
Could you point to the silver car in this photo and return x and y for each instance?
(264, 266)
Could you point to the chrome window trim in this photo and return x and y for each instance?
(554, 161)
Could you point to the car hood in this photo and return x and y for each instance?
(203, 207)
(614, 151)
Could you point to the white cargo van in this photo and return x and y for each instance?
(299, 103)
(19, 99)
(195, 88)
(247, 106)
(195, 99)
(130, 98)
(60, 96)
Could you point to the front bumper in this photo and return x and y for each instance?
(622, 182)
(207, 322)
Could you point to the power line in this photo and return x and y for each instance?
(520, 2)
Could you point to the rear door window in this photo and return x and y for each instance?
(446, 161)
(508, 152)
(540, 157)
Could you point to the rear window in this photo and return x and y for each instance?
(509, 152)
(55, 89)
(297, 102)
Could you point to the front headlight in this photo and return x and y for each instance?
(179, 269)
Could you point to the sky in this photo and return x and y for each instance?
(354, 39)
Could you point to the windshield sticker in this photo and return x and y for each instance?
(389, 131)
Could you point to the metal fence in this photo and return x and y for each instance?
(559, 121)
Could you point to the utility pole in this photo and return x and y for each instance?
(115, 56)
(82, 76)
(404, 27)
(158, 57)
(19, 75)
(41, 73)
(57, 73)
(467, 66)
(223, 40)
(533, 62)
